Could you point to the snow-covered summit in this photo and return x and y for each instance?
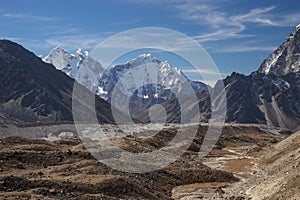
(286, 58)
(80, 66)
(89, 72)
(155, 83)
(142, 59)
(80, 52)
(58, 57)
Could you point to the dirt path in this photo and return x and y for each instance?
(241, 160)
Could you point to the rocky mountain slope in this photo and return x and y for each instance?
(34, 91)
(280, 170)
(270, 95)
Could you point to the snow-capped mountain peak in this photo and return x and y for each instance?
(59, 57)
(167, 77)
(89, 68)
(89, 72)
(143, 59)
(80, 52)
(286, 58)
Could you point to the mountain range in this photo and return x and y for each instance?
(159, 79)
(40, 90)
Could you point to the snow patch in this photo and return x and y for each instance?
(271, 61)
(281, 84)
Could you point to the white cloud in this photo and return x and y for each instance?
(234, 49)
(257, 15)
(71, 42)
(226, 26)
(222, 34)
(198, 74)
(201, 71)
(289, 19)
(129, 22)
(14, 39)
(221, 24)
(28, 17)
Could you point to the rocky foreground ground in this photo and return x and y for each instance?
(244, 158)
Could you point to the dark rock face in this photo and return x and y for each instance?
(242, 100)
(34, 91)
(266, 99)
(271, 94)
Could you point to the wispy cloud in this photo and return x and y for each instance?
(198, 74)
(257, 16)
(201, 71)
(224, 25)
(289, 19)
(35, 45)
(129, 22)
(222, 34)
(71, 42)
(15, 39)
(220, 23)
(235, 49)
(27, 17)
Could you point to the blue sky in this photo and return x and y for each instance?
(237, 34)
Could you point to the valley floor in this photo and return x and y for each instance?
(243, 164)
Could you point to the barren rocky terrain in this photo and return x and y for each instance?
(280, 171)
(64, 169)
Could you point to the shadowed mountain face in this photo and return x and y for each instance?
(270, 95)
(34, 91)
